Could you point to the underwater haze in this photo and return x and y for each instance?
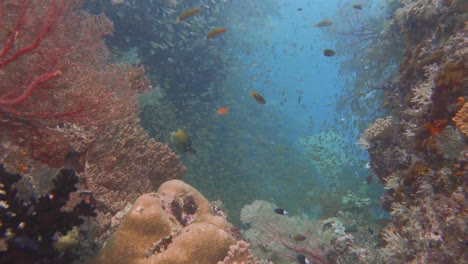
(233, 131)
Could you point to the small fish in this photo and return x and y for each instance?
(301, 259)
(187, 14)
(299, 9)
(299, 99)
(223, 111)
(23, 168)
(215, 32)
(281, 211)
(258, 97)
(369, 179)
(298, 237)
(324, 23)
(329, 52)
(357, 6)
(182, 141)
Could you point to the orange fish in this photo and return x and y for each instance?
(23, 168)
(215, 32)
(258, 97)
(187, 14)
(324, 23)
(223, 111)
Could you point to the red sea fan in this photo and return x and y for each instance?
(54, 66)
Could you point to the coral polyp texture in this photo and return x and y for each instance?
(174, 225)
(461, 119)
(423, 163)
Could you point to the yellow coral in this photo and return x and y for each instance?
(461, 119)
(153, 233)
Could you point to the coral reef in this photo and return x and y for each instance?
(118, 153)
(63, 105)
(29, 228)
(424, 171)
(174, 225)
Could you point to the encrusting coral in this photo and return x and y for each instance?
(174, 225)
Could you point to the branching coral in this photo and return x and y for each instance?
(381, 129)
(239, 254)
(423, 91)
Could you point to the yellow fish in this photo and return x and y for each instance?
(182, 141)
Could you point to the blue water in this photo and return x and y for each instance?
(297, 148)
(259, 150)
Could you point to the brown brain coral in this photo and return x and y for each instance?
(174, 225)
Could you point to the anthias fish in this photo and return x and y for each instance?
(324, 23)
(215, 32)
(223, 111)
(280, 211)
(187, 14)
(258, 97)
(329, 52)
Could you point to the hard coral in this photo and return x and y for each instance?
(381, 129)
(461, 119)
(155, 230)
(239, 253)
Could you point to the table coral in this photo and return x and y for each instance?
(174, 225)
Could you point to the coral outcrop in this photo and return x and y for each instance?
(174, 225)
(423, 164)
